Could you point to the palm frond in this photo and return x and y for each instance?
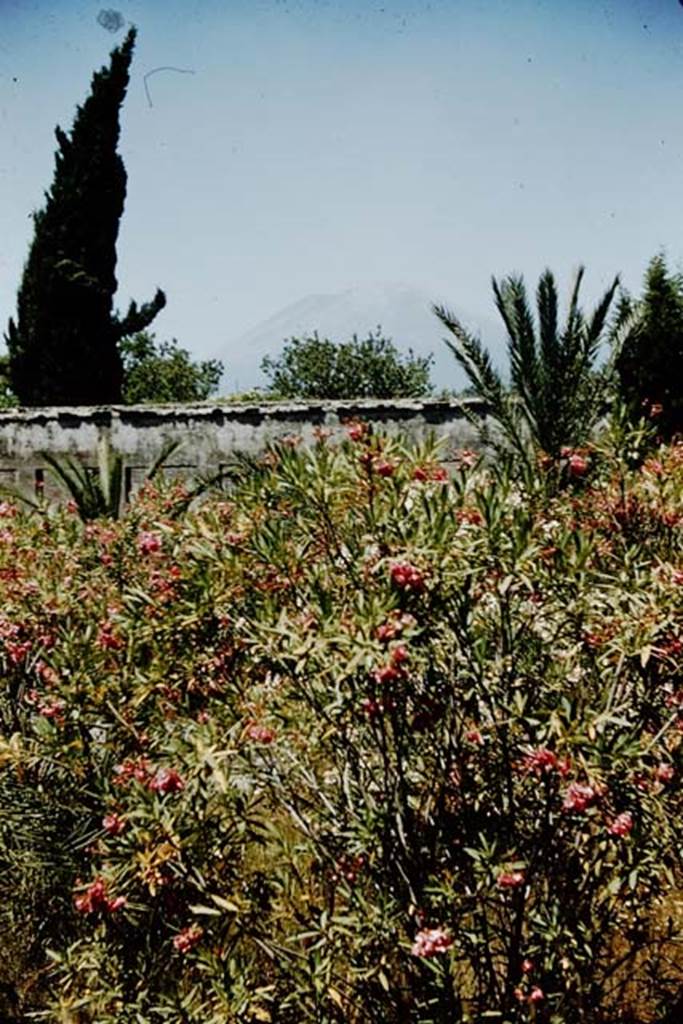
(473, 357)
(546, 304)
(574, 316)
(485, 381)
(597, 322)
(524, 371)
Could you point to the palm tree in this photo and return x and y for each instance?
(554, 396)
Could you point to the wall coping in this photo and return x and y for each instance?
(103, 415)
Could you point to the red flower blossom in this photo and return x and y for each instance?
(470, 516)
(622, 825)
(114, 824)
(133, 768)
(356, 430)
(108, 639)
(260, 733)
(665, 772)
(399, 655)
(383, 467)
(577, 465)
(188, 938)
(149, 543)
(430, 942)
(436, 474)
(540, 761)
(167, 780)
(394, 628)
(407, 577)
(386, 674)
(537, 995)
(510, 879)
(95, 900)
(579, 797)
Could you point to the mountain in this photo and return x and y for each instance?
(403, 312)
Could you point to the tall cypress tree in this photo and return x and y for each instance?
(63, 347)
(649, 362)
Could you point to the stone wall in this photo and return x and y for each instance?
(209, 434)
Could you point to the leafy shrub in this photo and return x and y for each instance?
(355, 742)
(315, 367)
(163, 372)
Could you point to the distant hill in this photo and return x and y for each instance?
(403, 312)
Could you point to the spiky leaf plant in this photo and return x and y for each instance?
(99, 494)
(554, 395)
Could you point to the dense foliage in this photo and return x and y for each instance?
(351, 743)
(163, 372)
(314, 367)
(63, 346)
(649, 339)
(554, 397)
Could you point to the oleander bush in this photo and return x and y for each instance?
(354, 741)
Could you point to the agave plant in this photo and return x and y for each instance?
(99, 494)
(555, 395)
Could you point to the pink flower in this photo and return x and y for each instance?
(470, 516)
(407, 577)
(579, 797)
(578, 466)
(527, 966)
(467, 457)
(399, 655)
(430, 942)
(260, 733)
(386, 674)
(371, 707)
(108, 639)
(133, 768)
(540, 761)
(188, 938)
(510, 879)
(51, 707)
(95, 900)
(437, 474)
(391, 630)
(475, 737)
(149, 543)
(356, 431)
(537, 995)
(114, 824)
(167, 780)
(622, 825)
(385, 468)
(665, 772)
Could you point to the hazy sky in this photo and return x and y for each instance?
(323, 144)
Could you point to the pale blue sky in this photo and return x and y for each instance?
(324, 144)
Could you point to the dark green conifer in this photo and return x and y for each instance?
(649, 361)
(63, 347)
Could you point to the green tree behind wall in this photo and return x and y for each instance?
(163, 372)
(63, 346)
(372, 367)
(649, 360)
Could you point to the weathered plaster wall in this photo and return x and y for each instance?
(209, 434)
